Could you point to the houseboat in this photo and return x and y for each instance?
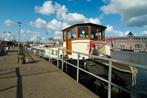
(89, 39)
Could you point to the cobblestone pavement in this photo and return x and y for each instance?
(38, 79)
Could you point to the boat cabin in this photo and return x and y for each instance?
(80, 37)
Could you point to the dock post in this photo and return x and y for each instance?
(62, 60)
(49, 57)
(109, 78)
(58, 59)
(77, 67)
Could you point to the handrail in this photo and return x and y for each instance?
(113, 60)
(96, 76)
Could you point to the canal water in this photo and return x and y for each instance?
(130, 56)
(138, 58)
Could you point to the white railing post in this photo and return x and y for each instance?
(109, 78)
(62, 59)
(77, 67)
(49, 56)
(58, 58)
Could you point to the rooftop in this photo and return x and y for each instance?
(85, 24)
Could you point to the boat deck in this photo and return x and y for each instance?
(38, 79)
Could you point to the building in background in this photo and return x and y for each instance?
(130, 42)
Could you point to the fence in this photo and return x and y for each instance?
(109, 81)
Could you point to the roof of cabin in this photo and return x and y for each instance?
(85, 24)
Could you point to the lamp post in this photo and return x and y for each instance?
(19, 25)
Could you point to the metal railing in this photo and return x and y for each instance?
(109, 81)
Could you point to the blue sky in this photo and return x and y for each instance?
(42, 16)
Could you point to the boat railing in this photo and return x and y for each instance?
(58, 57)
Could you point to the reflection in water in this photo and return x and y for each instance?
(138, 58)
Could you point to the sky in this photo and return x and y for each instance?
(46, 18)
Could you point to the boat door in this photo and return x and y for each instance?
(68, 42)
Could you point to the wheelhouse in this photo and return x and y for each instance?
(78, 37)
(84, 31)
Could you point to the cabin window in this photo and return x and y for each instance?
(83, 32)
(73, 36)
(95, 34)
(52, 52)
(69, 34)
(64, 36)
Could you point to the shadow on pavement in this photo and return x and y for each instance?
(19, 84)
(1, 90)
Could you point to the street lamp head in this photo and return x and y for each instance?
(19, 22)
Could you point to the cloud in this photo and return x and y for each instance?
(36, 37)
(54, 25)
(60, 9)
(46, 9)
(144, 33)
(138, 21)
(29, 35)
(111, 32)
(8, 22)
(58, 33)
(50, 7)
(73, 18)
(62, 19)
(62, 14)
(94, 20)
(7, 36)
(39, 23)
(28, 32)
(65, 25)
(133, 13)
(22, 31)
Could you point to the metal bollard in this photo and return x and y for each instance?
(58, 59)
(62, 60)
(109, 78)
(78, 67)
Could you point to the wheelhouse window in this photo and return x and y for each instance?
(83, 32)
(64, 35)
(73, 35)
(95, 33)
(69, 34)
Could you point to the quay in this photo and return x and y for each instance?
(36, 79)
